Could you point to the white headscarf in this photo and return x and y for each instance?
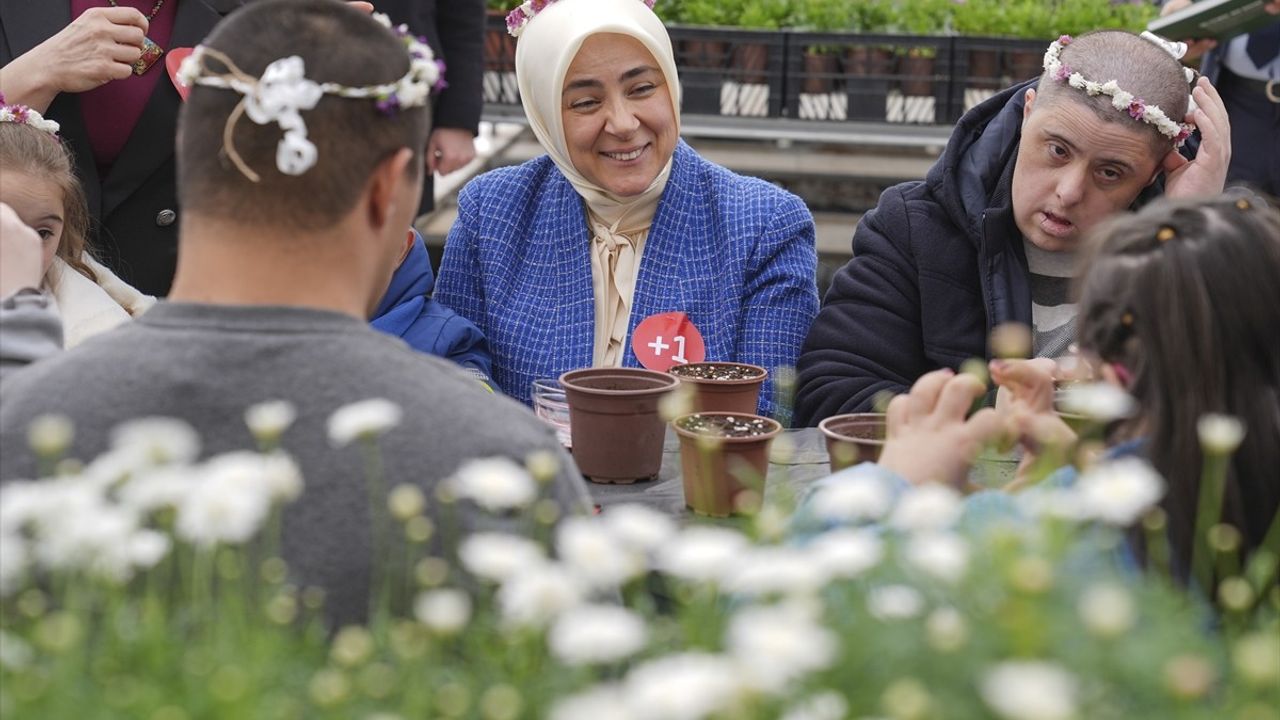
(544, 51)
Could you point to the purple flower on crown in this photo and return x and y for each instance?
(1137, 109)
(539, 5)
(1182, 136)
(388, 105)
(21, 113)
(440, 81)
(1064, 72)
(1064, 39)
(516, 19)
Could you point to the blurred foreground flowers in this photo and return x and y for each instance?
(148, 584)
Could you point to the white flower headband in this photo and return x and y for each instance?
(518, 18)
(23, 115)
(1120, 99)
(284, 91)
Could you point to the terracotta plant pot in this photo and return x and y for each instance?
(917, 72)
(751, 61)
(984, 69)
(1025, 64)
(724, 460)
(820, 72)
(723, 386)
(853, 438)
(614, 424)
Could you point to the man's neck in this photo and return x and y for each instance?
(231, 264)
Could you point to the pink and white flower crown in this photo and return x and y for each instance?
(284, 91)
(23, 115)
(1120, 99)
(518, 18)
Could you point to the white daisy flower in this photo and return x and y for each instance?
(495, 484)
(944, 555)
(1030, 690)
(596, 634)
(498, 556)
(446, 610)
(894, 602)
(268, 421)
(927, 507)
(362, 420)
(1220, 434)
(776, 645)
(700, 553)
(687, 686)
(1120, 491)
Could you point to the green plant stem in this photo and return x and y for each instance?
(1208, 512)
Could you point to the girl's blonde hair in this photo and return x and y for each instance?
(35, 152)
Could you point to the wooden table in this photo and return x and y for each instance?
(791, 469)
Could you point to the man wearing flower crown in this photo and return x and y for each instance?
(300, 167)
(988, 237)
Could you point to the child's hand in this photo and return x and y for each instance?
(1025, 405)
(929, 439)
(21, 256)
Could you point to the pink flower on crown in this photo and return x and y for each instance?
(1064, 39)
(1182, 136)
(516, 20)
(1064, 72)
(1137, 109)
(539, 5)
(21, 113)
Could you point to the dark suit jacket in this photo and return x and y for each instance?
(126, 205)
(455, 31)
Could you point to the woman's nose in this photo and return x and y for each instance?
(621, 120)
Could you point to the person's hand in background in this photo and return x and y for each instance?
(99, 46)
(21, 254)
(449, 149)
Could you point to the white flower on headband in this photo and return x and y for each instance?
(1121, 100)
(278, 97)
(284, 91)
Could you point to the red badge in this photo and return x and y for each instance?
(172, 62)
(663, 341)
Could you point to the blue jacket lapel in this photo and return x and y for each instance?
(665, 263)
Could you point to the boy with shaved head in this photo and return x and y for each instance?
(988, 237)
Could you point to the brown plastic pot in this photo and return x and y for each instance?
(853, 438)
(732, 396)
(724, 475)
(614, 424)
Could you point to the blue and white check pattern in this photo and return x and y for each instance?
(736, 254)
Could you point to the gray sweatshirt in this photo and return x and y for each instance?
(206, 364)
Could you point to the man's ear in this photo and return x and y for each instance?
(1028, 100)
(385, 186)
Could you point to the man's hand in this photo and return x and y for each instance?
(99, 46)
(21, 256)
(929, 439)
(449, 149)
(1207, 174)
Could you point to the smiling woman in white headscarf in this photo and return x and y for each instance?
(559, 259)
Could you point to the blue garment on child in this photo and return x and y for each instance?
(408, 312)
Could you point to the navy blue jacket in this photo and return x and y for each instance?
(408, 312)
(935, 266)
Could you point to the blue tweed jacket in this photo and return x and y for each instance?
(736, 254)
